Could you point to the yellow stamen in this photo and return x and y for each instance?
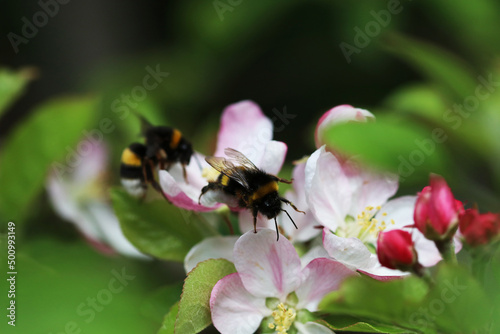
(283, 319)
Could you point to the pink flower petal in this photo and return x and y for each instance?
(349, 251)
(210, 248)
(321, 276)
(268, 268)
(340, 114)
(93, 164)
(244, 128)
(234, 309)
(328, 190)
(182, 194)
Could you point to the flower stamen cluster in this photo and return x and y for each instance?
(283, 318)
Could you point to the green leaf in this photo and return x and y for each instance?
(194, 307)
(393, 143)
(454, 303)
(157, 228)
(45, 137)
(352, 324)
(388, 303)
(158, 303)
(168, 324)
(12, 85)
(435, 63)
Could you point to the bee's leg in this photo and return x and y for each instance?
(277, 232)
(290, 218)
(184, 173)
(203, 191)
(284, 200)
(254, 213)
(283, 180)
(156, 186)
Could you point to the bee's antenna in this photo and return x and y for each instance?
(290, 218)
(277, 231)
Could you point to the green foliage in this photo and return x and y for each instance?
(394, 143)
(438, 65)
(12, 85)
(168, 324)
(45, 137)
(194, 307)
(158, 303)
(455, 302)
(156, 228)
(352, 324)
(75, 287)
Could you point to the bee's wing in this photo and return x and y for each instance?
(239, 158)
(227, 168)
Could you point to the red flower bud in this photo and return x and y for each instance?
(479, 229)
(395, 250)
(436, 210)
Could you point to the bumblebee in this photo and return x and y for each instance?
(163, 147)
(137, 171)
(251, 187)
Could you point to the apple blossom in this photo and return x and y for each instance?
(271, 285)
(81, 198)
(353, 205)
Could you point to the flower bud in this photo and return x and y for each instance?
(479, 229)
(436, 210)
(395, 250)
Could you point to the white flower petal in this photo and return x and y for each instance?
(350, 251)
(272, 157)
(321, 276)
(210, 248)
(314, 253)
(399, 210)
(328, 190)
(268, 268)
(234, 309)
(370, 188)
(103, 218)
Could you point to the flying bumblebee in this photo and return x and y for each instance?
(251, 187)
(163, 147)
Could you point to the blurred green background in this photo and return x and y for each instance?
(409, 63)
